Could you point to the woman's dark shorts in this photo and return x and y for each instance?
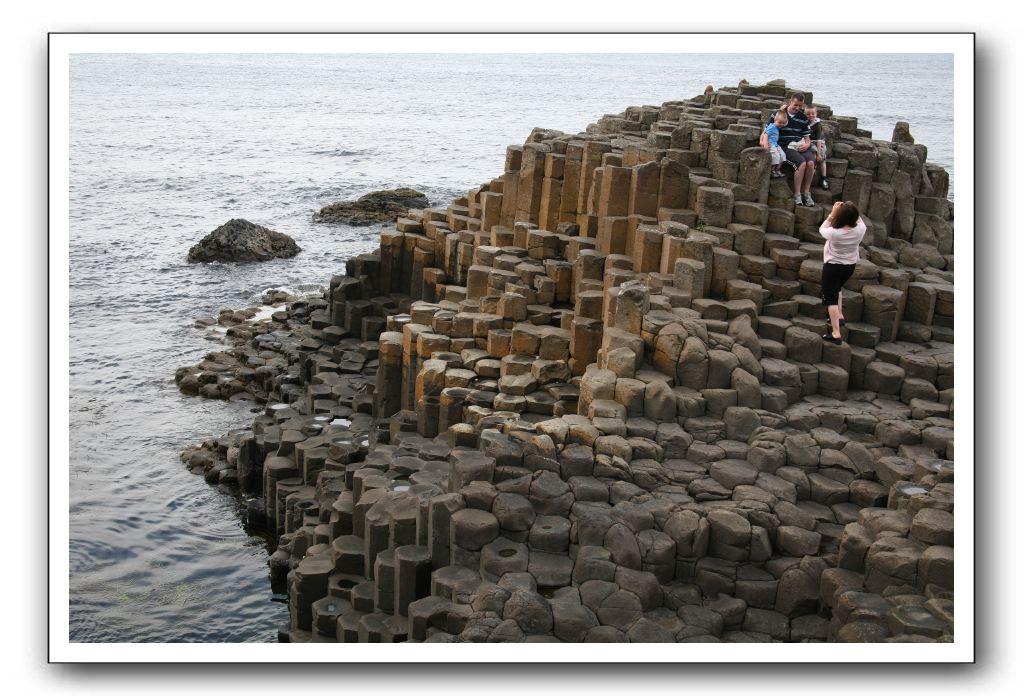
(797, 158)
(833, 277)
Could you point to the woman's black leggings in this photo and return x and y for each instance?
(833, 277)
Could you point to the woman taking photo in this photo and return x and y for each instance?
(843, 232)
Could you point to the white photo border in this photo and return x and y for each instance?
(63, 45)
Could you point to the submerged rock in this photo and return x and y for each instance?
(241, 240)
(376, 206)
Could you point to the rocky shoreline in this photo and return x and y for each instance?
(589, 402)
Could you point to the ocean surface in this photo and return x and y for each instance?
(165, 148)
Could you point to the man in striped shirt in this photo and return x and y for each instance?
(794, 139)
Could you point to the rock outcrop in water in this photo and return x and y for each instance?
(374, 207)
(590, 402)
(241, 240)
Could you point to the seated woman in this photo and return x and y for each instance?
(843, 232)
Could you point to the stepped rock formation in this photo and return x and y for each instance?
(589, 401)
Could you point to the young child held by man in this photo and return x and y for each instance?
(769, 139)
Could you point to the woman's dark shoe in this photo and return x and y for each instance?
(831, 339)
(824, 183)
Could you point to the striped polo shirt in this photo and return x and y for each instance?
(797, 128)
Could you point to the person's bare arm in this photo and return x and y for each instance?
(763, 140)
(827, 230)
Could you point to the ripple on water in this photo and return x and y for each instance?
(89, 555)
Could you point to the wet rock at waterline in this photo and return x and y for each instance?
(259, 340)
(376, 206)
(241, 240)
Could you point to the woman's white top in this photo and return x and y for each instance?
(843, 243)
